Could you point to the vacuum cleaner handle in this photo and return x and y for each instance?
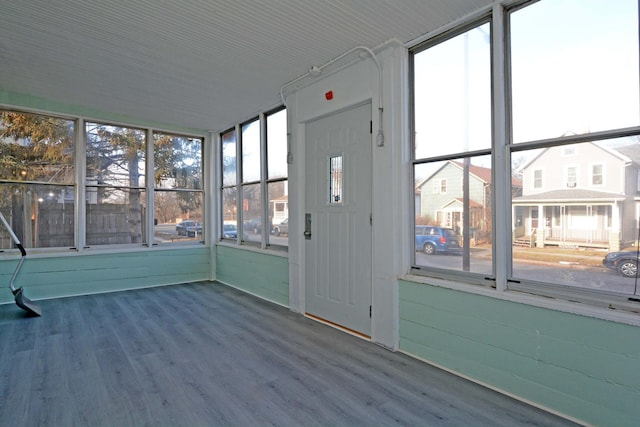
(13, 235)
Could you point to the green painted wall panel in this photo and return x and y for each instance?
(262, 274)
(78, 274)
(580, 366)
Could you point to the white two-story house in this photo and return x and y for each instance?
(580, 195)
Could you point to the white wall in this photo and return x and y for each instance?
(353, 85)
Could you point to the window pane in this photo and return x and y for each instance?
(34, 147)
(441, 216)
(571, 221)
(177, 161)
(252, 213)
(178, 216)
(115, 156)
(277, 144)
(251, 151)
(115, 216)
(279, 212)
(41, 216)
(452, 95)
(229, 213)
(335, 180)
(575, 68)
(229, 158)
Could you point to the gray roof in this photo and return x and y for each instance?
(568, 196)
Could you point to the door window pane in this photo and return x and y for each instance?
(335, 180)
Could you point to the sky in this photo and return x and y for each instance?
(574, 66)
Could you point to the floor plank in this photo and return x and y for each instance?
(203, 354)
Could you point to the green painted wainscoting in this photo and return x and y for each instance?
(260, 273)
(79, 274)
(585, 368)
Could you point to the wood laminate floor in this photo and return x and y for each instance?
(204, 354)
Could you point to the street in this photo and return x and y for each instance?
(583, 276)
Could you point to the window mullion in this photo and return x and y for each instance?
(80, 195)
(501, 160)
(149, 187)
(264, 196)
(239, 189)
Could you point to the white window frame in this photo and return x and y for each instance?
(263, 182)
(566, 176)
(592, 175)
(536, 293)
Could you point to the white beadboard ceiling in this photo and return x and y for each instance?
(199, 64)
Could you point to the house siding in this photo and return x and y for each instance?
(553, 164)
(432, 202)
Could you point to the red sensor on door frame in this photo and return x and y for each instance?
(329, 95)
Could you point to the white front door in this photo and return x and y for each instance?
(338, 210)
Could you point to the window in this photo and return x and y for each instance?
(570, 116)
(574, 88)
(251, 176)
(115, 183)
(277, 183)
(229, 205)
(597, 177)
(39, 192)
(571, 176)
(178, 188)
(537, 178)
(37, 179)
(440, 186)
(262, 194)
(452, 151)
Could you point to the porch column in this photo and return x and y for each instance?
(614, 233)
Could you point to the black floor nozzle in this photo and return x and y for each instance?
(25, 303)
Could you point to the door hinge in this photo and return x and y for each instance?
(371, 127)
(370, 219)
(370, 311)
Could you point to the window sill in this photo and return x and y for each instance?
(98, 250)
(281, 251)
(551, 303)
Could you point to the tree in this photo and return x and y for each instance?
(38, 151)
(36, 148)
(178, 166)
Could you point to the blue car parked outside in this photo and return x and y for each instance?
(432, 240)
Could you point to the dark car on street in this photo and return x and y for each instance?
(189, 228)
(433, 240)
(624, 262)
(253, 225)
(282, 228)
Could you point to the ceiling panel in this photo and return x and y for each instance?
(198, 64)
